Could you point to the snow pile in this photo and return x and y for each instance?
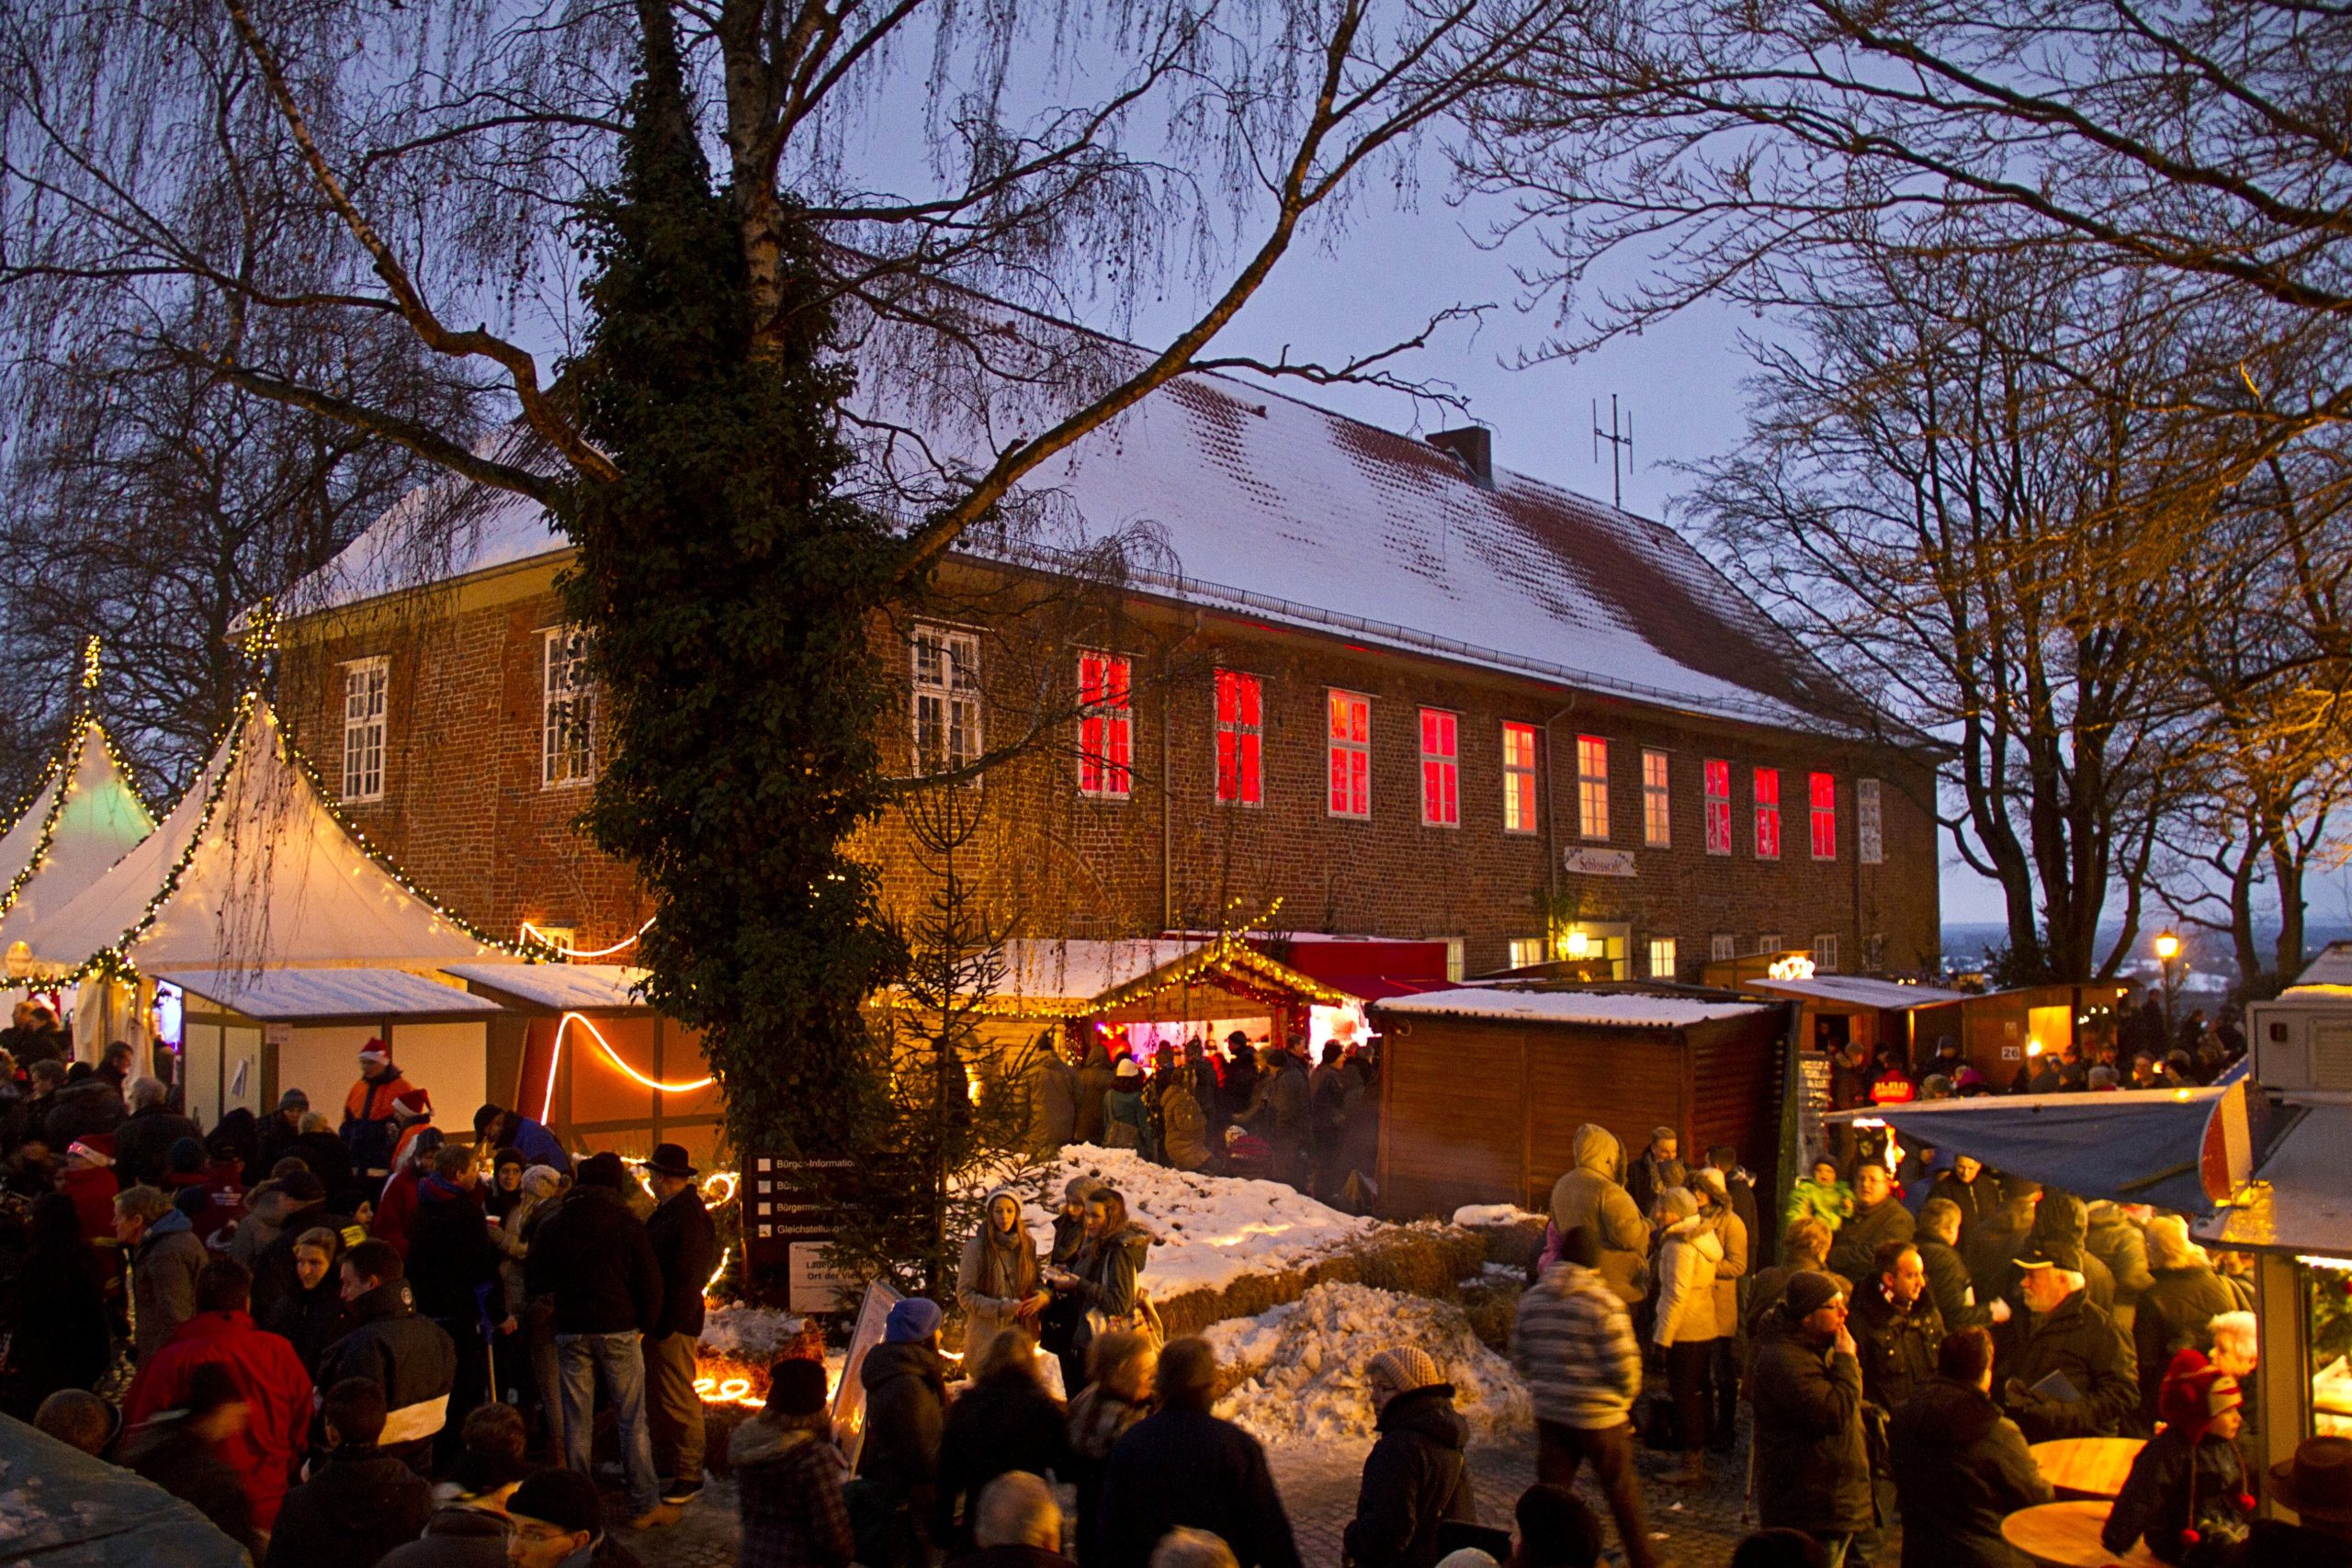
(1212, 1229)
(755, 1336)
(1307, 1362)
(1494, 1215)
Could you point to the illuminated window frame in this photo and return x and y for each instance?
(366, 684)
(1718, 774)
(1658, 820)
(1240, 739)
(567, 710)
(1348, 753)
(1106, 727)
(1441, 768)
(1592, 787)
(1519, 778)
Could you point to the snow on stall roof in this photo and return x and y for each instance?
(285, 994)
(2331, 966)
(1623, 1009)
(1211, 1229)
(1264, 505)
(1038, 968)
(559, 987)
(1859, 990)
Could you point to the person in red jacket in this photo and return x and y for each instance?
(268, 1449)
(370, 1130)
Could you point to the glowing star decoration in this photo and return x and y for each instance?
(1795, 967)
(555, 1059)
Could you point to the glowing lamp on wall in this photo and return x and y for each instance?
(1578, 944)
(1795, 967)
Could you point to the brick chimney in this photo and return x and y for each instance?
(1474, 444)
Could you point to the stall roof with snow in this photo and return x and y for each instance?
(1164, 979)
(85, 815)
(557, 988)
(1858, 991)
(330, 996)
(253, 870)
(1482, 1087)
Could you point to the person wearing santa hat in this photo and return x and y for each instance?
(371, 1118)
(2187, 1493)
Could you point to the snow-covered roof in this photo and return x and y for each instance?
(558, 987)
(279, 995)
(251, 871)
(1858, 990)
(1623, 1009)
(1082, 970)
(1258, 503)
(86, 816)
(2331, 966)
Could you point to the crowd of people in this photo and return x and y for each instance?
(1233, 1109)
(352, 1341)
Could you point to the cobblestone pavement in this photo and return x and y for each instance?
(1692, 1527)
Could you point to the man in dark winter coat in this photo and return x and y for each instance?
(1992, 1243)
(1184, 1466)
(1417, 1474)
(685, 1248)
(497, 1128)
(1948, 1284)
(2176, 1311)
(1960, 1466)
(1972, 1193)
(1282, 1118)
(1053, 1106)
(1813, 1470)
(278, 1133)
(2117, 1242)
(86, 1106)
(405, 1355)
(1642, 1177)
(361, 1502)
(145, 1135)
(1895, 1327)
(1003, 1421)
(2064, 1333)
(2064, 1218)
(1094, 1081)
(1878, 1218)
(593, 1256)
(453, 1274)
(906, 1409)
(560, 1523)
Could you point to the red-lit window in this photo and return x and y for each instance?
(1718, 808)
(1440, 769)
(1351, 754)
(1106, 727)
(1518, 779)
(1240, 739)
(1821, 793)
(1767, 814)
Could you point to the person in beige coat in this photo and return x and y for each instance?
(1724, 1362)
(1684, 1326)
(1593, 1195)
(998, 1283)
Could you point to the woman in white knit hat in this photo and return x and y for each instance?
(1417, 1474)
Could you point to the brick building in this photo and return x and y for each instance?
(1337, 680)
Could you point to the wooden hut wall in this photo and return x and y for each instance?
(1454, 1115)
(1736, 1067)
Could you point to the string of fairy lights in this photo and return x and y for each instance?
(62, 766)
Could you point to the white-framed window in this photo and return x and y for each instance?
(1716, 774)
(1350, 753)
(1721, 946)
(1440, 769)
(1662, 955)
(1454, 958)
(1106, 727)
(1592, 786)
(1768, 942)
(1519, 778)
(1869, 829)
(1825, 952)
(946, 668)
(365, 685)
(1658, 824)
(1240, 739)
(1821, 798)
(567, 710)
(1526, 952)
(1767, 814)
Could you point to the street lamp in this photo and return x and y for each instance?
(2169, 955)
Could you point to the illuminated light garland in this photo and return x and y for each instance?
(555, 1060)
(532, 933)
(1226, 951)
(61, 772)
(115, 962)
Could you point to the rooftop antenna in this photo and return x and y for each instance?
(1616, 444)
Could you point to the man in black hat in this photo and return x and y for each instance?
(559, 1519)
(2064, 1368)
(2317, 1484)
(686, 1246)
(1813, 1468)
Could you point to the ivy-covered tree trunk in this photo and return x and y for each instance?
(729, 594)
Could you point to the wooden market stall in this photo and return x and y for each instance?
(1840, 1010)
(2004, 1031)
(246, 1038)
(585, 1053)
(1482, 1087)
(1091, 991)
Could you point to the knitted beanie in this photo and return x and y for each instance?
(1404, 1368)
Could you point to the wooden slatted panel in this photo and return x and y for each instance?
(1737, 1090)
(1628, 1081)
(1450, 1133)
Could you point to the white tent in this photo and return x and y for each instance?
(253, 870)
(85, 815)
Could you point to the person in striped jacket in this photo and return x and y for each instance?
(1573, 1342)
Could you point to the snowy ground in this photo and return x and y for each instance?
(1307, 1363)
(1494, 1215)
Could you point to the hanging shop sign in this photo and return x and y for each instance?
(1598, 863)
